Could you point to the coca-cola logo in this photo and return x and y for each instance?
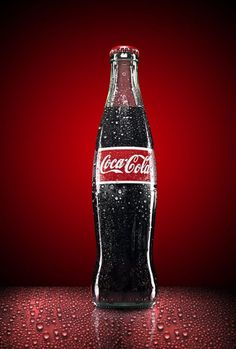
(125, 164)
(128, 165)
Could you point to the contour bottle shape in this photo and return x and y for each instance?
(124, 192)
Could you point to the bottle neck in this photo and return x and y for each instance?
(124, 87)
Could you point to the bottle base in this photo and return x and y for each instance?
(124, 305)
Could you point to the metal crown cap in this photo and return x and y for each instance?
(124, 49)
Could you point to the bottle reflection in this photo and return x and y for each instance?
(123, 329)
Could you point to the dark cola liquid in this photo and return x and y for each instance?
(124, 220)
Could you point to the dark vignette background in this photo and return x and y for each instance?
(54, 78)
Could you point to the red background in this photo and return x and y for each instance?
(55, 75)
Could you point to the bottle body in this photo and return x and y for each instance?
(124, 203)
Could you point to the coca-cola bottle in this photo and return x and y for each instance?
(124, 192)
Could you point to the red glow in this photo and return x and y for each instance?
(55, 88)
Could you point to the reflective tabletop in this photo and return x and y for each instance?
(64, 317)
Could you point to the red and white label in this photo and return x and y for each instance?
(125, 165)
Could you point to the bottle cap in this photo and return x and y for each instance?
(124, 49)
